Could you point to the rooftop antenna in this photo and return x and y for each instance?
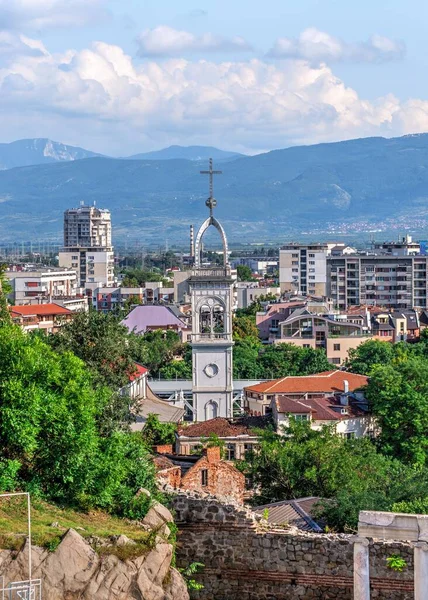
(211, 202)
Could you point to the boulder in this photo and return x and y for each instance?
(176, 588)
(71, 566)
(74, 571)
(157, 519)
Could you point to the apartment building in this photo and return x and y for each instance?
(378, 280)
(87, 245)
(47, 317)
(87, 227)
(303, 268)
(37, 287)
(335, 336)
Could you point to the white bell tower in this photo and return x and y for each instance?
(211, 292)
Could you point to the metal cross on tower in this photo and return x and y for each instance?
(211, 202)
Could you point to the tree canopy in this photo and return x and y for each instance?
(52, 439)
(350, 475)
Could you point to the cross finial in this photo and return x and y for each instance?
(211, 202)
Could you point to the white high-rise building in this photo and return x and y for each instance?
(87, 245)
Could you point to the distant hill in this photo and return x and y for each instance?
(196, 153)
(37, 151)
(274, 194)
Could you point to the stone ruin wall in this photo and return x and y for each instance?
(245, 559)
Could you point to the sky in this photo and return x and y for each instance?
(126, 76)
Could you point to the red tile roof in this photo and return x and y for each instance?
(321, 409)
(139, 371)
(224, 427)
(327, 382)
(40, 310)
(295, 407)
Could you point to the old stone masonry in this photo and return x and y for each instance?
(247, 560)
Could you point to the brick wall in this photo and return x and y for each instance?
(221, 477)
(246, 560)
(163, 449)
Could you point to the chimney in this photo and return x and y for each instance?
(344, 399)
(163, 449)
(213, 454)
(192, 242)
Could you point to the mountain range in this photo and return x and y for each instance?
(273, 195)
(39, 151)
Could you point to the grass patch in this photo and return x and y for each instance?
(13, 526)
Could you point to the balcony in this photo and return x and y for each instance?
(211, 337)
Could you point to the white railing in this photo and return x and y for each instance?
(21, 590)
(206, 337)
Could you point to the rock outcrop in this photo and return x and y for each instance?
(74, 571)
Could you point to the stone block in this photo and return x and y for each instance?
(393, 526)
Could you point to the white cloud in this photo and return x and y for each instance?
(100, 98)
(13, 44)
(317, 46)
(166, 41)
(43, 14)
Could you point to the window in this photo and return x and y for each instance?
(311, 255)
(294, 256)
(349, 435)
(301, 417)
(306, 345)
(204, 477)
(230, 451)
(335, 361)
(311, 276)
(248, 447)
(294, 262)
(311, 262)
(295, 270)
(336, 347)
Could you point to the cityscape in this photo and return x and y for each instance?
(213, 300)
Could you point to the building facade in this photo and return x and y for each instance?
(211, 293)
(36, 287)
(378, 280)
(303, 269)
(88, 246)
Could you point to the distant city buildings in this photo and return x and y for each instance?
(303, 268)
(31, 286)
(87, 245)
(47, 317)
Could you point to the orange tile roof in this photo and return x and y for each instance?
(322, 409)
(40, 310)
(224, 427)
(139, 371)
(327, 382)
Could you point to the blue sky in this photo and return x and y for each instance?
(123, 76)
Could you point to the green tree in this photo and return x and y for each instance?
(398, 396)
(349, 475)
(52, 441)
(244, 273)
(5, 289)
(155, 432)
(244, 327)
(373, 352)
(101, 342)
(156, 350)
(280, 360)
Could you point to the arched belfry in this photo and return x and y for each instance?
(211, 290)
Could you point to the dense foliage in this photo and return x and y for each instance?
(52, 438)
(350, 475)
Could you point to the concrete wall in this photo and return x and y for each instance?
(247, 561)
